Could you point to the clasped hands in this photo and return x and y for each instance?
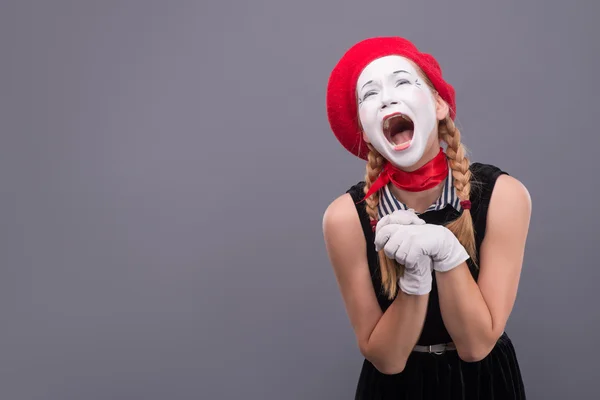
(422, 248)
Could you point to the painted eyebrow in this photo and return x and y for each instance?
(393, 73)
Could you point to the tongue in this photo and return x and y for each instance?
(402, 137)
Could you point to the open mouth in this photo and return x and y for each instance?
(398, 130)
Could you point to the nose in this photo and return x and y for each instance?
(386, 99)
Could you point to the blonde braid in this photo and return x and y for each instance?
(462, 227)
(390, 269)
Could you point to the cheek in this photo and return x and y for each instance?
(363, 123)
(366, 115)
(368, 121)
(361, 113)
(421, 98)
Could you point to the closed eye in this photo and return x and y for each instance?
(401, 82)
(368, 94)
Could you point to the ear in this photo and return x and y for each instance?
(441, 108)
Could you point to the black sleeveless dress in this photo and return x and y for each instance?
(445, 376)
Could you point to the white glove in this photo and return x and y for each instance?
(417, 278)
(408, 243)
(401, 217)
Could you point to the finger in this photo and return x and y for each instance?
(392, 235)
(401, 217)
(402, 250)
(399, 243)
(425, 243)
(391, 247)
(413, 255)
(383, 235)
(395, 239)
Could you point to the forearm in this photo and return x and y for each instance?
(466, 314)
(396, 333)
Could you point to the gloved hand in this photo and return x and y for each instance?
(417, 278)
(401, 217)
(409, 243)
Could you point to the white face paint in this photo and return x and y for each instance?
(396, 109)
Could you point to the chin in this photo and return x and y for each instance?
(406, 158)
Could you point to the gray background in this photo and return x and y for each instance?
(164, 168)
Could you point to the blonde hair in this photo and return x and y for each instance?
(462, 227)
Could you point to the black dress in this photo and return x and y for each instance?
(445, 376)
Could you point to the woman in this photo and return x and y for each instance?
(428, 249)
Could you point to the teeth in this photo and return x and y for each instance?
(386, 124)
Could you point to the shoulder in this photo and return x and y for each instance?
(343, 233)
(496, 195)
(483, 181)
(342, 213)
(507, 198)
(346, 217)
(501, 187)
(510, 200)
(485, 174)
(356, 191)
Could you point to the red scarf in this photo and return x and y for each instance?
(426, 177)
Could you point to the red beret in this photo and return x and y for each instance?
(342, 109)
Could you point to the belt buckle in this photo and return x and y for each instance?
(439, 353)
